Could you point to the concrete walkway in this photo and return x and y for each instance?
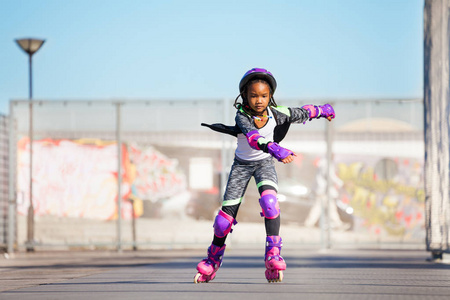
(168, 274)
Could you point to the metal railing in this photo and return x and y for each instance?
(150, 152)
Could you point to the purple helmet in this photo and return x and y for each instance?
(257, 73)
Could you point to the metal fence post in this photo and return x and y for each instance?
(325, 220)
(30, 217)
(224, 150)
(119, 176)
(11, 184)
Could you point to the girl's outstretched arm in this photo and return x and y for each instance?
(309, 112)
(321, 111)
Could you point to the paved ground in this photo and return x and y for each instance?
(311, 274)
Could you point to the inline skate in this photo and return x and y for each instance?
(275, 264)
(208, 267)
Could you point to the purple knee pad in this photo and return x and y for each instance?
(269, 204)
(223, 223)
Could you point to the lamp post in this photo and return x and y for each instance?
(30, 46)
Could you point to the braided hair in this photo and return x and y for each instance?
(244, 105)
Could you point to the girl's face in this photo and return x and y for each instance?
(258, 95)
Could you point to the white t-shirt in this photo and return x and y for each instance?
(245, 152)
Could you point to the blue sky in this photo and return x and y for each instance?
(148, 49)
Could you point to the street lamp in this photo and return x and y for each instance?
(30, 46)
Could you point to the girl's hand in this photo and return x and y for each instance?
(288, 159)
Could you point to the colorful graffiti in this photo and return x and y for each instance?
(78, 178)
(386, 195)
(157, 177)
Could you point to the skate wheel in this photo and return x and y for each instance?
(201, 278)
(280, 276)
(274, 276)
(197, 277)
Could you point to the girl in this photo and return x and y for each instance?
(260, 125)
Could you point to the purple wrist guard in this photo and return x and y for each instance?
(279, 152)
(327, 111)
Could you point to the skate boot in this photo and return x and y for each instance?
(275, 264)
(208, 267)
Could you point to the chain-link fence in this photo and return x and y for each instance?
(171, 173)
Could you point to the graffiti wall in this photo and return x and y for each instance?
(155, 175)
(78, 178)
(385, 195)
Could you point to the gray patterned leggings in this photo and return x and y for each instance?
(241, 172)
